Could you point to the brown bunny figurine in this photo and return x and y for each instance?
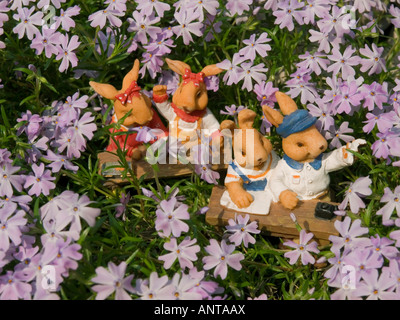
(248, 175)
(303, 173)
(188, 111)
(130, 98)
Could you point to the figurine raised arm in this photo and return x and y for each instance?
(303, 173)
(130, 99)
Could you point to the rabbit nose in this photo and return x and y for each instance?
(260, 159)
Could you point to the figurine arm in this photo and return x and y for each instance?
(341, 158)
(162, 104)
(277, 181)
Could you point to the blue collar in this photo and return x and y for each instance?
(316, 164)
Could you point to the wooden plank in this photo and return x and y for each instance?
(278, 221)
(109, 167)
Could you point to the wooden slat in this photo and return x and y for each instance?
(142, 167)
(278, 221)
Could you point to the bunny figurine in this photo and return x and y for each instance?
(188, 111)
(303, 173)
(130, 99)
(248, 175)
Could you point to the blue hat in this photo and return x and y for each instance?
(297, 121)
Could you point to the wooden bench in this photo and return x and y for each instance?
(109, 168)
(278, 222)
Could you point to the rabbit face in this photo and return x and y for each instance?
(304, 146)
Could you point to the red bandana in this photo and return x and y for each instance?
(188, 117)
(196, 78)
(126, 97)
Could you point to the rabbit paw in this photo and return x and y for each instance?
(288, 199)
(243, 199)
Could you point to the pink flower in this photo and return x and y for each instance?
(302, 249)
(288, 11)
(374, 63)
(143, 26)
(186, 25)
(343, 62)
(185, 252)
(357, 189)
(241, 230)
(220, 257)
(65, 52)
(40, 181)
(169, 216)
(99, 18)
(28, 22)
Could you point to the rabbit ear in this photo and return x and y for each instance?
(105, 90)
(131, 76)
(177, 66)
(227, 125)
(211, 70)
(273, 116)
(246, 119)
(286, 103)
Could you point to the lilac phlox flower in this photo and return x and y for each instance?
(232, 110)
(119, 5)
(374, 94)
(300, 86)
(169, 216)
(339, 134)
(336, 265)
(55, 228)
(186, 25)
(386, 141)
(374, 63)
(84, 127)
(143, 26)
(182, 288)
(392, 200)
(357, 190)
(58, 161)
(395, 12)
(24, 255)
(212, 83)
(11, 227)
(67, 256)
(256, 46)
(220, 257)
(325, 40)
(32, 126)
(384, 121)
(302, 249)
(28, 22)
(121, 208)
(14, 287)
(241, 230)
(314, 8)
(56, 3)
(265, 93)
(349, 235)
(252, 72)
(47, 41)
(233, 72)
(65, 20)
(346, 286)
(271, 5)
(337, 20)
(40, 181)
(146, 134)
(376, 287)
(161, 45)
(147, 7)
(154, 288)
(206, 173)
(12, 203)
(203, 287)
(364, 261)
(8, 180)
(66, 140)
(99, 18)
(314, 62)
(238, 6)
(394, 270)
(66, 52)
(151, 63)
(343, 63)
(382, 247)
(363, 5)
(324, 112)
(3, 16)
(288, 11)
(170, 79)
(78, 207)
(212, 27)
(185, 252)
(113, 280)
(5, 157)
(201, 159)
